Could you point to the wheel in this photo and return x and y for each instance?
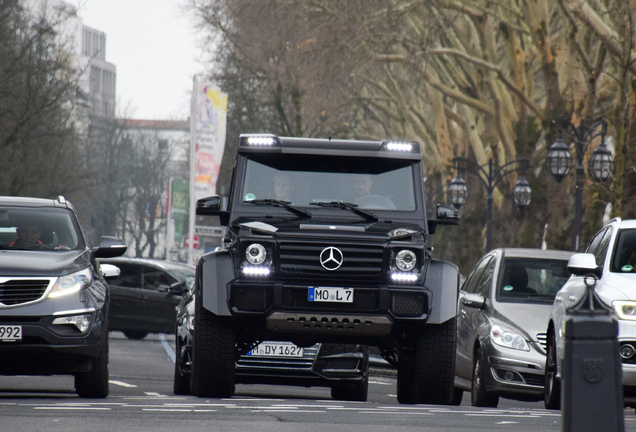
(479, 397)
(94, 384)
(429, 377)
(181, 382)
(213, 361)
(351, 391)
(552, 388)
(405, 382)
(458, 395)
(135, 334)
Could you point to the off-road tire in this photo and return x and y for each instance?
(213, 360)
(351, 391)
(135, 334)
(479, 397)
(181, 383)
(552, 388)
(94, 384)
(428, 378)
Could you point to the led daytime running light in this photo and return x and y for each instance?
(399, 146)
(404, 277)
(256, 271)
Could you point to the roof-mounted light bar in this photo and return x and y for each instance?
(259, 140)
(400, 146)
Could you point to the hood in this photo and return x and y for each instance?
(290, 227)
(42, 263)
(617, 286)
(529, 318)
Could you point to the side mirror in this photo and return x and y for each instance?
(582, 264)
(109, 270)
(211, 206)
(109, 247)
(473, 300)
(177, 288)
(446, 215)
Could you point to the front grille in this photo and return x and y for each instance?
(15, 292)
(405, 304)
(280, 363)
(303, 259)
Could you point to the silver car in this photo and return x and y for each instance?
(612, 252)
(503, 307)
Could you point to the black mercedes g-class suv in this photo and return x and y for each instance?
(326, 241)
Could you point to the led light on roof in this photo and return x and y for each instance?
(399, 146)
(260, 141)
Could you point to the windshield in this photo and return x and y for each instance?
(532, 278)
(38, 228)
(368, 183)
(624, 259)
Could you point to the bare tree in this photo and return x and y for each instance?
(38, 81)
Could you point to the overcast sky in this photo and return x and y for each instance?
(155, 48)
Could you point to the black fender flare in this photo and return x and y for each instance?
(215, 271)
(442, 279)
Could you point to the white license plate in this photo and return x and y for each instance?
(276, 349)
(10, 332)
(334, 295)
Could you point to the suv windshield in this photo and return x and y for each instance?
(624, 260)
(368, 183)
(38, 228)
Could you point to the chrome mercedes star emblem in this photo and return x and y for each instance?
(331, 258)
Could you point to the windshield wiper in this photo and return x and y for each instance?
(345, 205)
(280, 203)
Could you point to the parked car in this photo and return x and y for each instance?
(503, 307)
(144, 297)
(612, 256)
(343, 368)
(53, 296)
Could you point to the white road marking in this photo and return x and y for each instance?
(167, 347)
(121, 384)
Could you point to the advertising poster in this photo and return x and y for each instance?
(207, 141)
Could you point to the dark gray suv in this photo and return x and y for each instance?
(53, 296)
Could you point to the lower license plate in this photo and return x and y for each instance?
(10, 333)
(276, 349)
(334, 295)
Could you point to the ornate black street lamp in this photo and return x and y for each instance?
(458, 192)
(600, 166)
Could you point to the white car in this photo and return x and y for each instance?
(613, 252)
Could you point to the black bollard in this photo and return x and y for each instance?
(592, 398)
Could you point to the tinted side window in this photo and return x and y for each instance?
(129, 276)
(601, 252)
(154, 278)
(471, 284)
(593, 246)
(485, 281)
(624, 257)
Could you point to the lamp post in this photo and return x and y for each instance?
(600, 165)
(490, 175)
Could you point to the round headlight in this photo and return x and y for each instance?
(405, 260)
(255, 254)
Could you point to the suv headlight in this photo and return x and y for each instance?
(405, 260)
(72, 283)
(508, 338)
(255, 254)
(625, 309)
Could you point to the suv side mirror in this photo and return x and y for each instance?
(109, 247)
(582, 264)
(211, 206)
(446, 215)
